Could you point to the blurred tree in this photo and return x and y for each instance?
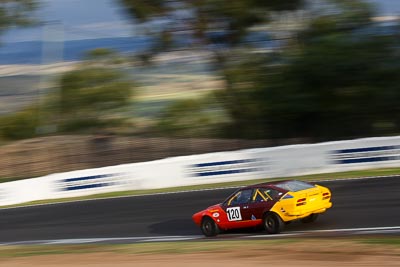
(192, 117)
(219, 26)
(343, 75)
(338, 80)
(16, 13)
(100, 53)
(244, 100)
(104, 56)
(19, 125)
(89, 96)
(206, 23)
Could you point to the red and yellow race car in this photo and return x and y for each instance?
(269, 205)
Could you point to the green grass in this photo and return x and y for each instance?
(395, 241)
(39, 250)
(183, 247)
(199, 246)
(313, 177)
(137, 248)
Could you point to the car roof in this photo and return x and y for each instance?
(267, 184)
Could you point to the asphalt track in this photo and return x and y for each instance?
(359, 203)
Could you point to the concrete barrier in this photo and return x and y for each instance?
(210, 168)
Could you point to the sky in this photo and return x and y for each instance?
(91, 19)
(81, 19)
(387, 7)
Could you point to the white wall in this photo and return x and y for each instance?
(210, 168)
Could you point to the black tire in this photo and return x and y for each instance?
(209, 227)
(273, 224)
(310, 218)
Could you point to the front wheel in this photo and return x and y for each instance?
(273, 224)
(209, 227)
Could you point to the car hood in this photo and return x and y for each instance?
(216, 206)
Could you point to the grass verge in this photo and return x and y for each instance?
(187, 247)
(313, 177)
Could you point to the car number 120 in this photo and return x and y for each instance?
(234, 214)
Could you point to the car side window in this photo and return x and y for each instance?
(241, 197)
(271, 194)
(258, 196)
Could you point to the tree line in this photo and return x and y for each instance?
(333, 76)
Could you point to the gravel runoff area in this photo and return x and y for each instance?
(316, 252)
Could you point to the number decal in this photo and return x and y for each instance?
(234, 214)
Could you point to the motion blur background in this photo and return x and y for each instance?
(102, 82)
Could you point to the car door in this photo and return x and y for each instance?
(236, 209)
(263, 199)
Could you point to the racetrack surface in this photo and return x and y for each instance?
(358, 203)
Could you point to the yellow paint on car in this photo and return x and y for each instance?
(303, 203)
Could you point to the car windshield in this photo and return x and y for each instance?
(294, 186)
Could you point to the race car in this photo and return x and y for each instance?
(267, 205)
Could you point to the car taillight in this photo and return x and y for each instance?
(325, 196)
(301, 202)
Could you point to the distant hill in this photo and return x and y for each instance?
(31, 52)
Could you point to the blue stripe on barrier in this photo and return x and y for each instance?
(366, 160)
(365, 149)
(86, 178)
(221, 163)
(79, 187)
(214, 173)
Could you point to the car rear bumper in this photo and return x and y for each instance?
(305, 213)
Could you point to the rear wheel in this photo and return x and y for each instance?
(209, 227)
(273, 224)
(310, 218)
